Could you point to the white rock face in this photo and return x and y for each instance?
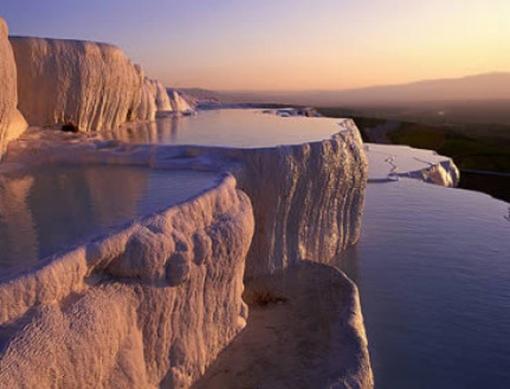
(307, 198)
(151, 305)
(305, 330)
(12, 123)
(307, 201)
(161, 97)
(92, 85)
(161, 102)
(389, 162)
(179, 103)
(147, 108)
(293, 111)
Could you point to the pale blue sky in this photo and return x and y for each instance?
(283, 44)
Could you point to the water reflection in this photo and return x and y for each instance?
(433, 270)
(228, 127)
(164, 130)
(16, 217)
(48, 209)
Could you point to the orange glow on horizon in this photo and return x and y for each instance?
(410, 42)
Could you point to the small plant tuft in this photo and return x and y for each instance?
(265, 298)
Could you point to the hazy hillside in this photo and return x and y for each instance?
(483, 98)
(493, 86)
(477, 87)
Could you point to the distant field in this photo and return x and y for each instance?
(469, 149)
(465, 112)
(473, 146)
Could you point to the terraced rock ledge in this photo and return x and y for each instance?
(288, 187)
(154, 303)
(390, 162)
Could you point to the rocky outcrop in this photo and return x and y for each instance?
(91, 85)
(179, 103)
(12, 122)
(166, 103)
(153, 304)
(294, 111)
(160, 96)
(150, 305)
(390, 162)
(307, 204)
(147, 106)
(307, 198)
(305, 330)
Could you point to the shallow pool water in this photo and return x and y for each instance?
(244, 128)
(386, 160)
(52, 208)
(433, 269)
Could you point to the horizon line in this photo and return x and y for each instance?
(321, 90)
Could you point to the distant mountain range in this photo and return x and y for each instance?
(489, 86)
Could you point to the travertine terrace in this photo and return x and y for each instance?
(149, 305)
(389, 162)
(153, 303)
(101, 88)
(283, 237)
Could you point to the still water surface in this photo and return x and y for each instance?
(433, 269)
(51, 208)
(244, 128)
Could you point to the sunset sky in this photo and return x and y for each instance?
(284, 44)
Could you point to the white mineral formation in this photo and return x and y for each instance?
(148, 306)
(293, 111)
(179, 103)
(154, 303)
(91, 85)
(160, 95)
(389, 162)
(147, 107)
(12, 123)
(307, 198)
(305, 330)
(307, 203)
